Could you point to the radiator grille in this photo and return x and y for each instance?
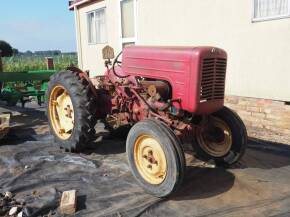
(213, 75)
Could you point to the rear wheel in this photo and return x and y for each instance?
(155, 157)
(70, 110)
(222, 138)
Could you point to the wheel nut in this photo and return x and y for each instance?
(149, 166)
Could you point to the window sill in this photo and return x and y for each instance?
(99, 43)
(255, 20)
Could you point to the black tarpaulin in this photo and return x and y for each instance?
(37, 171)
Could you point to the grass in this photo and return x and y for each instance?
(29, 63)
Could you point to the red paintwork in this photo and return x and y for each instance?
(180, 66)
(178, 75)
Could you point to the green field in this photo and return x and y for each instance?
(29, 63)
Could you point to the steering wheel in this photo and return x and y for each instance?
(119, 63)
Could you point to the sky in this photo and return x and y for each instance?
(37, 25)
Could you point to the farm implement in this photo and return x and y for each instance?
(23, 86)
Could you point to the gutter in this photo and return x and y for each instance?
(73, 6)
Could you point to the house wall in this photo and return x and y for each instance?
(90, 55)
(258, 65)
(259, 53)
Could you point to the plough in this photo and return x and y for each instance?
(23, 86)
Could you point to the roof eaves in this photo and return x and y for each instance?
(76, 3)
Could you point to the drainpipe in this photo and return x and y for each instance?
(78, 37)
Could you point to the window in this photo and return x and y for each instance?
(97, 30)
(128, 13)
(271, 9)
(91, 27)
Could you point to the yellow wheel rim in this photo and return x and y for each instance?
(150, 159)
(216, 138)
(61, 112)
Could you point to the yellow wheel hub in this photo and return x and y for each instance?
(215, 138)
(61, 112)
(150, 159)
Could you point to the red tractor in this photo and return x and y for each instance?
(169, 95)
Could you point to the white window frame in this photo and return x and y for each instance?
(259, 19)
(95, 29)
(131, 39)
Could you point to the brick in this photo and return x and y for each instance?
(244, 113)
(278, 103)
(277, 128)
(258, 115)
(287, 132)
(287, 108)
(265, 110)
(249, 99)
(285, 116)
(236, 108)
(251, 119)
(253, 109)
(264, 102)
(277, 108)
(283, 124)
(247, 124)
(266, 123)
(243, 102)
(68, 202)
(232, 100)
(257, 124)
(273, 117)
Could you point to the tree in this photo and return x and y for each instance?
(29, 53)
(56, 52)
(6, 49)
(15, 51)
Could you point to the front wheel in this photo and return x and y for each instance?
(222, 138)
(155, 157)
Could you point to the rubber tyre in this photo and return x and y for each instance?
(173, 152)
(177, 145)
(83, 102)
(239, 140)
